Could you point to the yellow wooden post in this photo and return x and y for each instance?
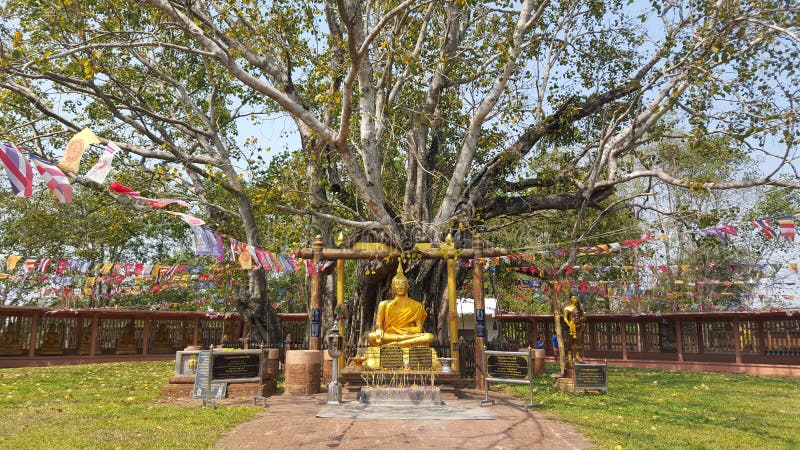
(340, 295)
(452, 320)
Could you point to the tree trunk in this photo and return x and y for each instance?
(254, 306)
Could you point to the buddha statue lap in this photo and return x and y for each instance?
(398, 322)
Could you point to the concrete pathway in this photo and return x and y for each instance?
(290, 422)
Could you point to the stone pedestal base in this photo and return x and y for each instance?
(51, 351)
(415, 396)
(303, 372)
(566, 384)
(181, 387)
(10, 350)
(127, 350)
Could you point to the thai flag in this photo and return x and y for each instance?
(18, 169)
(765, 227)
(44, 263)
(54, 178)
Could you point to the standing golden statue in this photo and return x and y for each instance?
(575, 318)
(399, 320)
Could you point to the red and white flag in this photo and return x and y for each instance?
(99, 171)
(18, 169)
(188, 218)
(765, 227)
(54, 178)
(124, 190)
(159, 203)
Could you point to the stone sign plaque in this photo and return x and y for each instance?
(420, 358)
(201, 381)
(507, 367)
(235, 365)
(590, 377)
(391, 358)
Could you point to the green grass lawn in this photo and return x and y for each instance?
(104, 406)
(649, 409)
(113, 406)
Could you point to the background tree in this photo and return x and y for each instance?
(418, 118)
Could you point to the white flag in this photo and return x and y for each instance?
(99, 172)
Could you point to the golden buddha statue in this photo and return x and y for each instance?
(398, 323)
(86, 343)
(126, 345)
(52, 342)
(161, 343)
(575, 318)
(9, 341)
(399, 320)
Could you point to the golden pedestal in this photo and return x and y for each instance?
(10, 350)
(127, 349)
(51, 350)
(372, 359)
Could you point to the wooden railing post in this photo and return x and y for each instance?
(35, 319)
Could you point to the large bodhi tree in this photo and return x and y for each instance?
(417, 118)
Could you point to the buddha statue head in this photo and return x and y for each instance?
(400, 282)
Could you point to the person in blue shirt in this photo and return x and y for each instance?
(554, 339)
(539, 343)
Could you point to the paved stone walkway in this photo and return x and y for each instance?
(290, 422)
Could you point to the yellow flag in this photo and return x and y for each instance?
(77, 145)
(245, 260)
(12, 261)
